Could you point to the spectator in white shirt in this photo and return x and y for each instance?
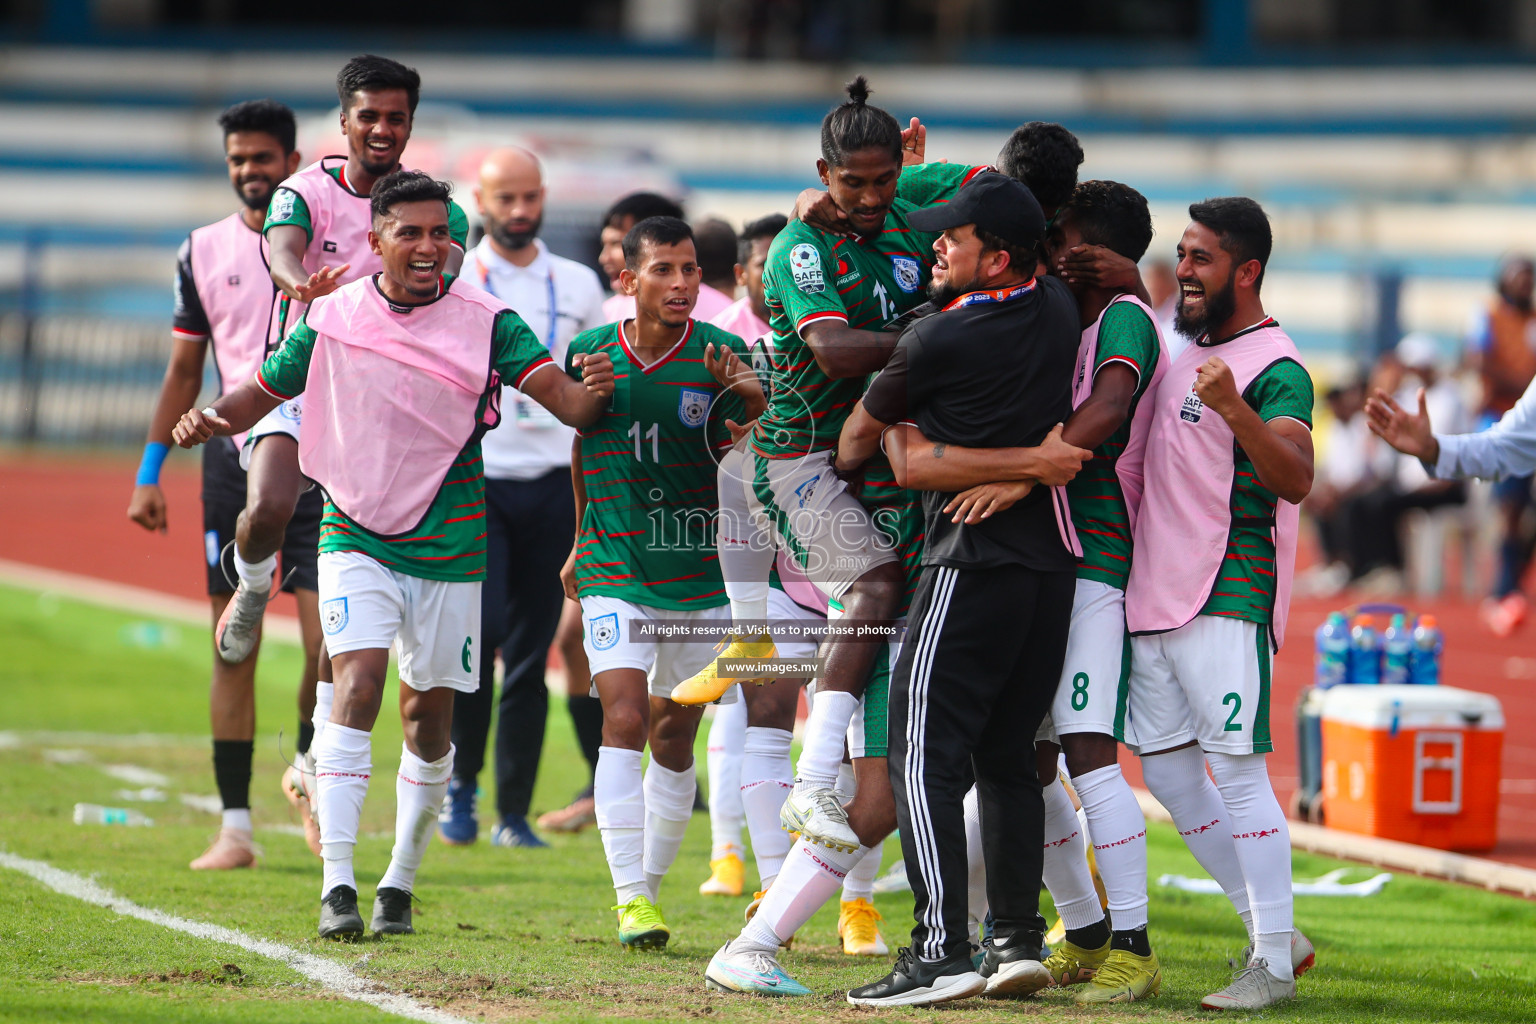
(529, 514)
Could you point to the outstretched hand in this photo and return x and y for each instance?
(1410, 433)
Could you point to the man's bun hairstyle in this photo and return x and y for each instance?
(855, 125)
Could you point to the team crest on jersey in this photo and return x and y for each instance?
(805, 267)
(1190, 412)
(604, 630)
(291, 410)
(693, 407)
(908, 274)
(333, 615)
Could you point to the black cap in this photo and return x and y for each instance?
(995, 203)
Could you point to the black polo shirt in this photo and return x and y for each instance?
(989, 374)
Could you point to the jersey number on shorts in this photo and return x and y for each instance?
(1080, 691)
(465, 653)
(1233, 725)
(653, 435)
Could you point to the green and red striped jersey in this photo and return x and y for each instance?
(1245, 585)
(648, 465)
(1099, 515)
(930, 184)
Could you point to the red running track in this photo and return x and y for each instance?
(65, 511)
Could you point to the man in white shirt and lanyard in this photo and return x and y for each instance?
(529, 511)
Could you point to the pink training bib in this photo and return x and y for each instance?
(1186, 513)
(236, 291)
(391, 398)
(739, 319)
(1129, 467)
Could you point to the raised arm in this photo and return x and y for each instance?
(572, 402)
(287, 243)
(1281, 448)
(841, 351)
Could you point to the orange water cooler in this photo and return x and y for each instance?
(1419, 764)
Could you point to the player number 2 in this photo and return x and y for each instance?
(1080, 691)
(1233, 725)
(653, 435)
(887, 308)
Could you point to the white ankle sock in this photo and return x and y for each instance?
(976, 867)
(419, 790)
(1263, 842)
(325, 696)
(1178, 780)
(619, 798)
(811, 875)
(1066, 872)
(668, 806)
(343, 763)
(238, 818)
(766, 777)
(859, 884)
(826, 730)
(1119, 837)
(727, 737)
(255, 575)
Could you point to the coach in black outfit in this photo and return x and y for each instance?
(988, 626)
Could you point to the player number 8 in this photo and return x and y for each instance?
(1080, 691)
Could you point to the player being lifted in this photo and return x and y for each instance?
(317, 232)
(402, 371)
(1120, 360)
(828, 296)
(644, 480)
(223, 298)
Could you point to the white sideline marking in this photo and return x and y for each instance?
(329, 974)
(134, 775)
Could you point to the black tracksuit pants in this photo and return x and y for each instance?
(977, 673)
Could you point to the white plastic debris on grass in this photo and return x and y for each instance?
(1331, 884)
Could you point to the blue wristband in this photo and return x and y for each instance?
(149, 465)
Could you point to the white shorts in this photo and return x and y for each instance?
(1094, 693)
(364, 605)
(809, 511)
(1208, 680)
(609, 645)
(284, 419)
(782, 608)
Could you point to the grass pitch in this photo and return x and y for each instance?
(513, 934)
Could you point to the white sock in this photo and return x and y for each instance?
(847, 785)
(1263, 842)
(745, 547)
(1179, 782)
(826, 728)
(811, 875)
(1065, 866)
(325, 696)
(237, 818)
(619, 797)
(343, 763)
(419, 790)
(255, 575)
(1119, 837)
(727, 737)
(859, 884)
(976, 867)
(668, 806)
(766, 776)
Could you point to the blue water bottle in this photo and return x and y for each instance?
(1396, 652)
(1364, 652)
(1332, 659)
(1428, 642)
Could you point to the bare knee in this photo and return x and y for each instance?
(624, 726)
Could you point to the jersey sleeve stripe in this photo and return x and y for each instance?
(546, 361)
(824, 314)
(1127, 360)
(1284, 416)
(179, 332)
(269, 389)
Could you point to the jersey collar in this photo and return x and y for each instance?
(649, 367)
(1204, 341)
(395, 307)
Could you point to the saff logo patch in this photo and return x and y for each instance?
(805, 267)
(333, 615)
(908, 274)
(604, 630)
(1190, 411)
(693, 407)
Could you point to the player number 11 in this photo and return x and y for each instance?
(887, 308)
(653, 435)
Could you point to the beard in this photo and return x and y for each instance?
(261, 200)
(942, 295)
(1218, 309)
(513, 240)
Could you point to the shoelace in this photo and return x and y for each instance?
(906, 962)
(763, 963)
(1243, 973)
(395, 902)
(338, 898)
(1116, 972)
(861, 916)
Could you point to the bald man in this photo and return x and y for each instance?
(529, 513)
